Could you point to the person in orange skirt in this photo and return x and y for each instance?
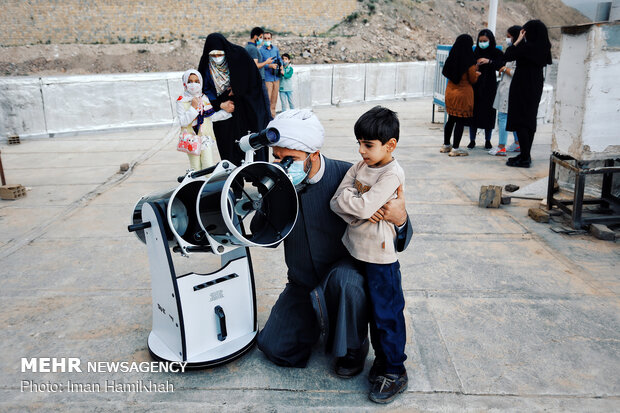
(462, 72)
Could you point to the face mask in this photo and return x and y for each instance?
(484, 45)
(268, 43)
(259, 42)
(297, 173)
(194, 88)
(218, 59)
(508, 41)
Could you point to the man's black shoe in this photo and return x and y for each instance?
(488, 145)
(387, 387)
(352, 363)
(512, 160)
(520, 163)
(471, 145)
(377, 369)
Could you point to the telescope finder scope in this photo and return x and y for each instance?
(254, 141)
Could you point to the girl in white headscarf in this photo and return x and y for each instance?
(196, 115)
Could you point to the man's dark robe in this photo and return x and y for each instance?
(325, 291)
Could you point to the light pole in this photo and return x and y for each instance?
(492, 15)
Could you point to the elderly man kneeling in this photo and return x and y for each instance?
(325, 292)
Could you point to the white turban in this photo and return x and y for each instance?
(299, 129)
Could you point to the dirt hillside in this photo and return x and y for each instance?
(379, 31)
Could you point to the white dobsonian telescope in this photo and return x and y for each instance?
(207, 319)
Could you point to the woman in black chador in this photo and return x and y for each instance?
(230, 74)
(532, 51)
(489, 59)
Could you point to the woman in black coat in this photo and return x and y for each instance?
(532, 51)
(489, 59)
(234, 78)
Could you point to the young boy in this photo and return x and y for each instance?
(366, 187)
(286, 83)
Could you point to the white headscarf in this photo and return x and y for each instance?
(185, 78)
(299, 129)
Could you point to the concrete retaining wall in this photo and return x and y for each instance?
(48, 106)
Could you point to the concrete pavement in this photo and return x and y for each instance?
(502, 313)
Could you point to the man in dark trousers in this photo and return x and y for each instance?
(325, 292)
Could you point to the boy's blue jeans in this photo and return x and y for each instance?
(286, 97)
(387, 323)
(502, 118)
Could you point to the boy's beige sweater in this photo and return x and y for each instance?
(361, 193)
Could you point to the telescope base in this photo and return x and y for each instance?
(160, 352)
(202, 319)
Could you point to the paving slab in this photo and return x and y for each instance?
(501, 312)
(520, 346)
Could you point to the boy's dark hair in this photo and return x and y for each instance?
(257, 31)
(269, 33)
(378, 123)
(286, 55)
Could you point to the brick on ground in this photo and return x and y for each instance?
(603, 232)
(538, 215)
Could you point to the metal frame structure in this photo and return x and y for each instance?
(609, 202)
(439, 86)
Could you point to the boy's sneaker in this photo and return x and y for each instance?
(488, 145)
(445, 148)
(498, 152)
(377, 369)
(458, 152)
(387, 387)
(471, 145)
(514, 147)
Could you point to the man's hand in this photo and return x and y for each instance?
(393, 211)
(228, 106)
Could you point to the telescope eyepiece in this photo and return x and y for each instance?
(286, 162)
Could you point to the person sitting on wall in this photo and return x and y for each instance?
(326, 293)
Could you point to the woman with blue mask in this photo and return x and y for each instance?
(489, 59)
